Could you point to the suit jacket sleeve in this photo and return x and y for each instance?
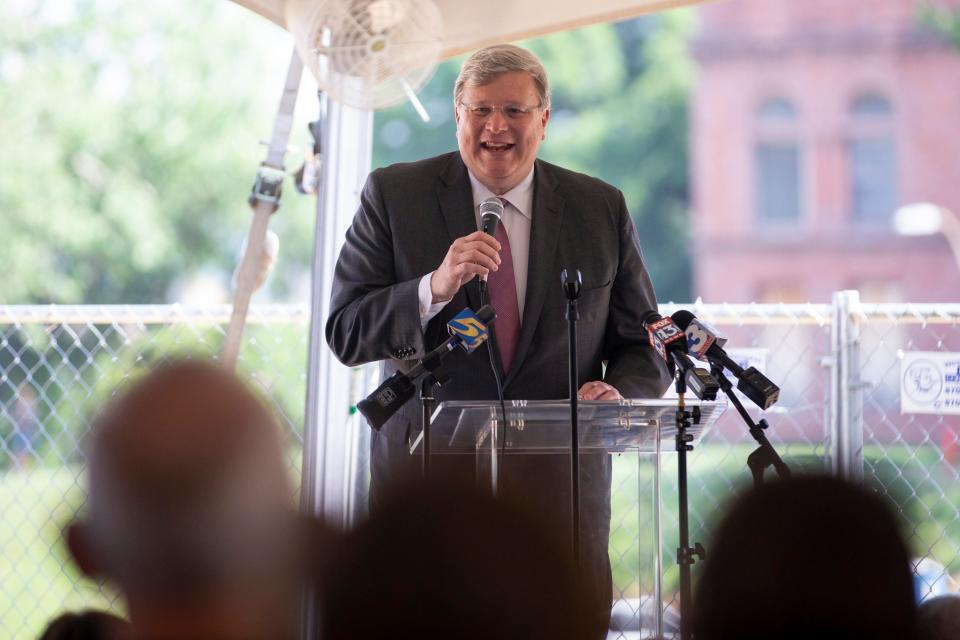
(372, 315)
(633, 367)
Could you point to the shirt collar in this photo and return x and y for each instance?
(521, 196)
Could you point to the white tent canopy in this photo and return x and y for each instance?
(467, 27)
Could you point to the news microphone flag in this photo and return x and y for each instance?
(663, 333)
(706, 343)
(700, 337)
(471, 329)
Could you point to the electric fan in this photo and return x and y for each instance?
(368, 54)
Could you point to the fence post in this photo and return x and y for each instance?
(846, 390)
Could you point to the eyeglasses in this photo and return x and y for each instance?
(510, 111)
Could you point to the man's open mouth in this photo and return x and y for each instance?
(497, 146)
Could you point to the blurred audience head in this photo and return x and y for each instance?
(450, 562)
(939, 618)
(87, 625)
(189, 508)
(808, 557)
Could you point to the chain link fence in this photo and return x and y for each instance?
(911, 457)
(58, 364)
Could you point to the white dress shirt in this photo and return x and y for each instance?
(517, 219)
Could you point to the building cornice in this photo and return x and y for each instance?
(715, 47)
(856, 241)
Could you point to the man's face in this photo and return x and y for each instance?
(499, 149)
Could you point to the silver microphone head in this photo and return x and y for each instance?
(491, 211)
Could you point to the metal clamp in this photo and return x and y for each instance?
(689, 555)
(268, 186)
(681, 438)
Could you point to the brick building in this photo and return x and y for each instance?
(811, 122)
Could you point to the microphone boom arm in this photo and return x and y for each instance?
(765, 455)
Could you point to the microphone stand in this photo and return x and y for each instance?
(686, 555)
(765, 455)
(436, 378)
(571, 287)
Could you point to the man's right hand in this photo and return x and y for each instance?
(468, 257)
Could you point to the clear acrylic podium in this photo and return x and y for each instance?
(636, 432)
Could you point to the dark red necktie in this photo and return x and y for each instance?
(503, 296)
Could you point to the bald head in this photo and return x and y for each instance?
(188, 489)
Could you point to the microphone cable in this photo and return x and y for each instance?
(491, 212)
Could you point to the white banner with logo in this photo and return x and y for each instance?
(930, 382)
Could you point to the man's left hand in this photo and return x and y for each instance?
(597, 390)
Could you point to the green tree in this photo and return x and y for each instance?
(130, 136)
(619, 112)
(941, 20)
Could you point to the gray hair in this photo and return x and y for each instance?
(487, 64)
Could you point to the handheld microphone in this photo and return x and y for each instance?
(706, 343)
(670, 342)
(491, 210)
(468, 330)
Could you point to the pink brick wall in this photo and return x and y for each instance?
(751, 50)
(779, 18)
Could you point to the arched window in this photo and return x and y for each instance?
(872, 159)
(776, 110)
(777, 163)
(871, 105)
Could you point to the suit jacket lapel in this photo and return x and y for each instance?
(456, 204)
(544, 234)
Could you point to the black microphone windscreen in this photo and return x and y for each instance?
(651, 317)
(486, 314)
(682, 318)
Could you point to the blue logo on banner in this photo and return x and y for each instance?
(922, 382)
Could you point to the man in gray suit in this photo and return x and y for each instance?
(413, 257)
